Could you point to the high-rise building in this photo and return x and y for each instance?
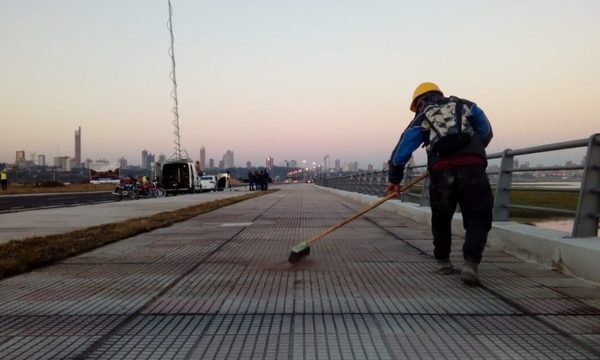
(148, 160)
(41, 160)
(20, 156)
(211, 163)
(162, 158)
(202, 158)
(248, 164)
(294, 163)
(338, 165)
(122, 163)
(228, 160)
(145, 164)
(77, 158)
(269, 163)
(63, 163)
(325, 160)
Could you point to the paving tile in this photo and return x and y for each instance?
(219, 286)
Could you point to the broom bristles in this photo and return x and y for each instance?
(298, 252)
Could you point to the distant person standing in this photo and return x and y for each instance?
(251, 181)
(263, 180)
(4, 180)
(258, 180)
(266, 180)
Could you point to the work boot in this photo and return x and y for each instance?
(444, 266)
(469, 273)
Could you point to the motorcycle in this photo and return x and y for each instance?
(150, 189)
(127, 188)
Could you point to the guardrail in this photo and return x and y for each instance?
(586, 215)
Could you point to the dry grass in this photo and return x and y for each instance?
(31, 189)
(19, 256)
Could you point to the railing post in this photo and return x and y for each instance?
(371, 181)
(425, 193)
(383, 179)
(361, 183)
(502, 198)
(588, 206)
(408, 175)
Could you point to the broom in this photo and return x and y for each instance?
(303, 249)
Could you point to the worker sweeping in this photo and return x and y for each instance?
(455, 133)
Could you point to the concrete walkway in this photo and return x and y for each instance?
(219, 286)
(20, 225)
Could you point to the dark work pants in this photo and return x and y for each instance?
(469, 187)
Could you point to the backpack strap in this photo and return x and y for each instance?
(437, 132)
(458, 110)
(462, 103)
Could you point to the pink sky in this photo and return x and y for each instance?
(286, 79)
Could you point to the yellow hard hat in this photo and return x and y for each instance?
(422, 89)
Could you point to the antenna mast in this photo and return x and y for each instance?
(175, 108)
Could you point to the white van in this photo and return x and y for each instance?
(180, 176)
(209, 183)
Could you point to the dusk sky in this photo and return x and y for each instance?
(290, 79)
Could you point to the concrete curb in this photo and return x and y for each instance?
(551, 248)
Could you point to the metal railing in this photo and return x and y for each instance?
(587, 213)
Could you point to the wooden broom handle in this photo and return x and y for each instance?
(371, 207)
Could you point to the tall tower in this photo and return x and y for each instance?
(145, 164)
(202, 158)
(228, 159)
(77, 158)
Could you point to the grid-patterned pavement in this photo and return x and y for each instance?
(219, 286)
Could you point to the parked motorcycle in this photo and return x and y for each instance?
(151, 189)
(127, 188)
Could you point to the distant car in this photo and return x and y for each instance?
(209, 183)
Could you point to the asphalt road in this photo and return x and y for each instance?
(15, 203)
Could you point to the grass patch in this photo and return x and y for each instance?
(548, 199)
(32, 189)
(19, 256)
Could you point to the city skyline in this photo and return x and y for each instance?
(227, 160)
(289, 80)
(147, 158)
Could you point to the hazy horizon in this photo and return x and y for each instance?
(291, 80)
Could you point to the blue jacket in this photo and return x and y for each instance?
(414, 136)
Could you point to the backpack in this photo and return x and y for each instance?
(449, 126)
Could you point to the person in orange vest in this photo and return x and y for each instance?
(4, 179)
